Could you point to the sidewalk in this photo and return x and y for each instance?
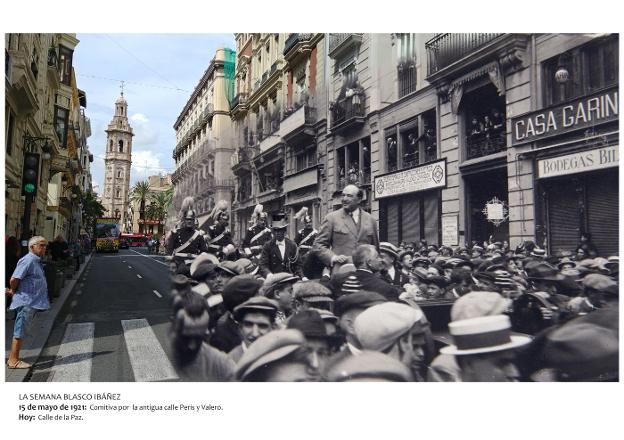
(39, 329)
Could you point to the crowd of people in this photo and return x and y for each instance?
(338, 305)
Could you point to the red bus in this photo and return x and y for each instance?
(135, 239)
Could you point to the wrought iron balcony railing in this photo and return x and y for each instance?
(340, 42)
(445, 49)
(350, 108)
(480, 145)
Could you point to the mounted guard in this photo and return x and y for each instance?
(257, 235)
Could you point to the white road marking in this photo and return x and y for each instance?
(147, 357)
(73, 361)
(139, 276)
(129, 267)
(147, 256)
(157, 294)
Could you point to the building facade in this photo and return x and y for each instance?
(205, 140)
(279, 116)
(157, 185)
(117, 162)
(455, 138)
(45, 116)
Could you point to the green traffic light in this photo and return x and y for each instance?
(29, 188)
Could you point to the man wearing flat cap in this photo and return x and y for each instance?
(369, 366)
(599, 291)
(279, 286)
(255, 318)
(238, 290)
(280, 253)
(397, 330)
(391, 272)
(346, 228)
(347, 308)
(278, 356)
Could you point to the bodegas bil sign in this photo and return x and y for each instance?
(585, 112)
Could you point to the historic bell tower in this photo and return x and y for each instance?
(118, 158)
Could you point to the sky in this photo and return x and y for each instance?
(160, 72)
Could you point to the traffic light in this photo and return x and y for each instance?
(30, 174)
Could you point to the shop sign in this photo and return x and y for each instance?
(148, 222)
(496, 211)
(591, 160)
(421, 178)
(450, 229)
(581, 113)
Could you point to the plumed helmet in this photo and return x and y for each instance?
(258, 212)
(188, 208)
(220, 208)
(302, 214)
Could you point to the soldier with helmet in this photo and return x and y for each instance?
(257, 235)
(305, 237)
(186, 241)
(219, 236)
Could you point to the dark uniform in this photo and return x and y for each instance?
(218, 238)
(305, 239)
(255, 238)
(181, 236)
(196, 246)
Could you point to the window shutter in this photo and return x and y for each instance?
(602, 212)
(563, 217)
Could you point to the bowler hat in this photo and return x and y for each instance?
(368, 365)
(269, 348)
(310, 323)
(359, 300)
(540, 270)
(485, 334)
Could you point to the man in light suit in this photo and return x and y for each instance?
(343, 230)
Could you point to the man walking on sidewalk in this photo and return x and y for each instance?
(29, 291)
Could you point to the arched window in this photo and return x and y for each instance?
(110, 148)
(121, 146)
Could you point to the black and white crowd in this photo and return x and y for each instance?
(338, 305)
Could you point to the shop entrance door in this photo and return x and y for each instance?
(481, 188)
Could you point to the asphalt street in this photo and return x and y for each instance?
(114, 326)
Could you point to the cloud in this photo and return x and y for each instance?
(139, 117)
(145, 134)
(145, 163)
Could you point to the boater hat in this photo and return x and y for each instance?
(486, 334)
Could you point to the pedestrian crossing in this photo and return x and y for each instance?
(148, 360)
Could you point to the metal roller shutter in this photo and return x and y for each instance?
(432, 216)
(602, 212)
(410, 206)
(392, 214)
(563, 217)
